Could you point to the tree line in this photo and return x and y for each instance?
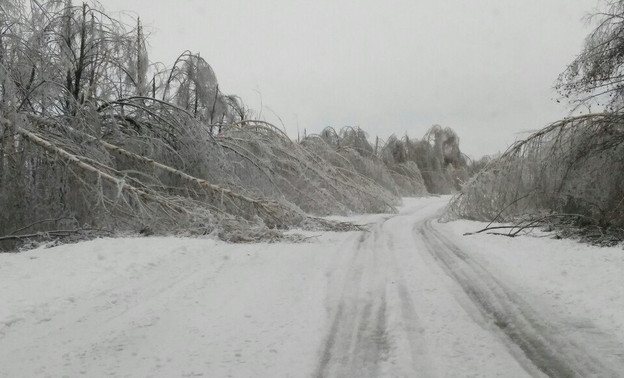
(97, 139)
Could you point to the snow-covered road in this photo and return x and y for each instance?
(408, 298)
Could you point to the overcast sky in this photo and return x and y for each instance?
(482, 67)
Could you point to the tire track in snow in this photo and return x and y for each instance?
(542, 340)
(351, 348)
(374, 317)
(411, 322)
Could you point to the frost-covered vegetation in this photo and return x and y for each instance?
(569, 175)
(96, 138)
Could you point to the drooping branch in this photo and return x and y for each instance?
(80, 163)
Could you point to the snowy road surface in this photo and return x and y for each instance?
(409, 298)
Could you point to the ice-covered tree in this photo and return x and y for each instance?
(596, 76)
(569, 173)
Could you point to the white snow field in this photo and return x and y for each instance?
(409, 298)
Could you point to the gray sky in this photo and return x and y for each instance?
(482, 67)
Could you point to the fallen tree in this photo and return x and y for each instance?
(567, 175)
(95, 137)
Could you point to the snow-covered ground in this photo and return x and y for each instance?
(577, 282)
(410, 297)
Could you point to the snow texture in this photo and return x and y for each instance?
(410, 297)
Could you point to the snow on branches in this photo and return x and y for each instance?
(95, 137)
(570, 171)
